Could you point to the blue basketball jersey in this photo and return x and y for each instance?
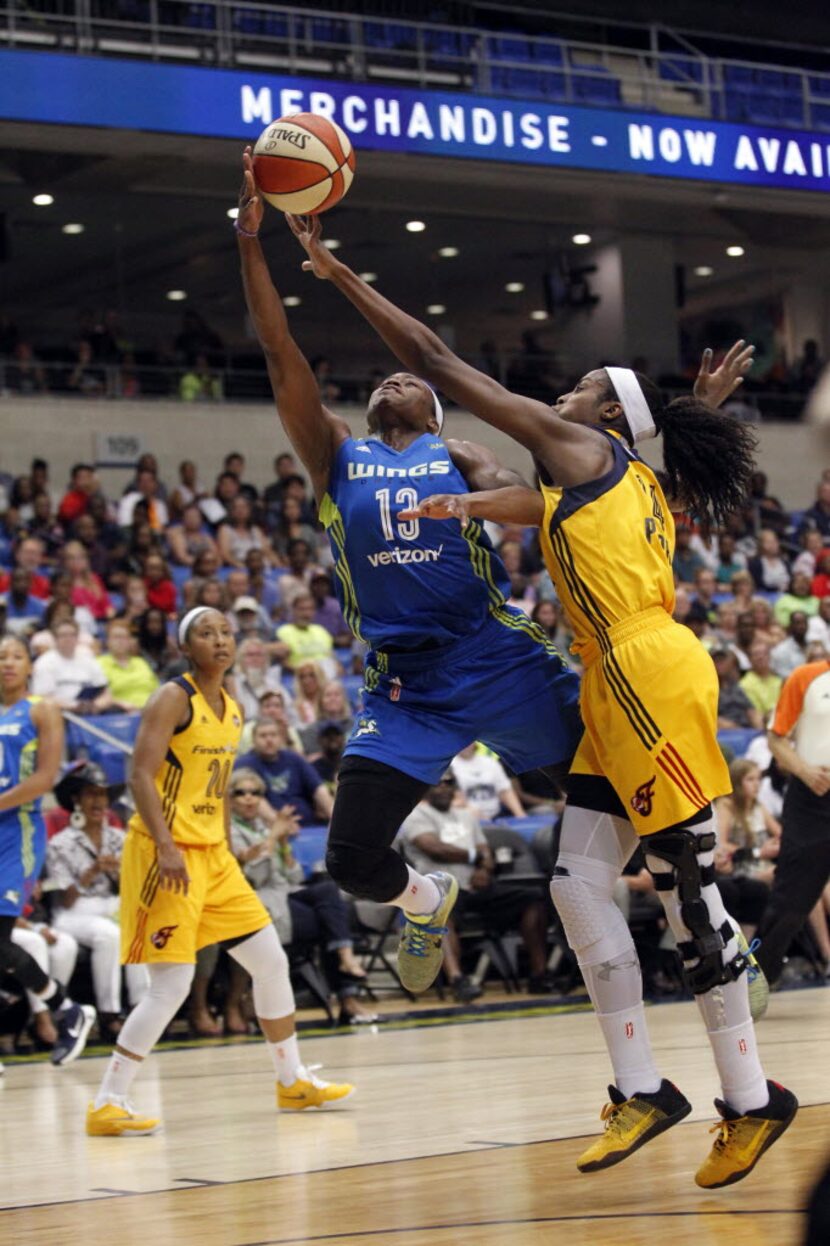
(406, 582)
(22, 833)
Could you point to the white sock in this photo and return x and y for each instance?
(421, 896)
(629, 1046)
(118, 1078)
(740, 1072)
(286, 1058)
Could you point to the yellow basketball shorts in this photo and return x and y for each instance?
(159, 925)
(649, 702)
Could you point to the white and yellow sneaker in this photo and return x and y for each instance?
(117, 1120)
(310, 1091)
(420, 950)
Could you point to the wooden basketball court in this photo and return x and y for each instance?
(459, 1133)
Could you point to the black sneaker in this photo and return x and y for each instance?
(465, 990)
(73, 1024)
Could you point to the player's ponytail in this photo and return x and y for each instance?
(708, 456)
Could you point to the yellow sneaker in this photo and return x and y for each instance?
(755, 977)
(114, 1120)
(420, 950)
(742, 1140)
(630, 1123)
(311, 1092)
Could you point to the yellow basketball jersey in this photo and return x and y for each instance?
(196, 771)
(608, 547)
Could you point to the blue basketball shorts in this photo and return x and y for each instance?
(22, 852)
(506, 687)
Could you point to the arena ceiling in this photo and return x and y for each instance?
(154, 215)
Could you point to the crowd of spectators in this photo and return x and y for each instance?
(96, 582)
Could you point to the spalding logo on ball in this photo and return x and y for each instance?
(303, 164)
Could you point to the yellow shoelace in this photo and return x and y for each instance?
(724, 1130)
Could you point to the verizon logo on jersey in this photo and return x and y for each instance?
(359, 471)
(387, 556)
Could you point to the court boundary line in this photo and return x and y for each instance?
(309, 1172)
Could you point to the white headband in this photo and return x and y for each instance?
(439, 410)
(634, 405)
(189, 619)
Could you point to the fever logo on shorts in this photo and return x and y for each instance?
(160, 938)
(642, 801)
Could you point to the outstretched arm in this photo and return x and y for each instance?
(571, 453)
(313, 431)
(516, 504)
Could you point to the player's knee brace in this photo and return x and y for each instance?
(678, 863)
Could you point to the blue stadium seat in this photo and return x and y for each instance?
(180, 576)
(820, 86)
(80, 743)
(353, 685)
(275, 25)
(200, 17)
(508, 49)
(310, 847)
(527, 83)
(738, 739)
(598, 87)
(247, 21)
(329, 31)
(738, 74)
(820, 116)
(548, 53)
(681, 69)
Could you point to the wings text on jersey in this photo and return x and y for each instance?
(359, 471)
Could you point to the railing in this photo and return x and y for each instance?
(235, 382)
(657, 70)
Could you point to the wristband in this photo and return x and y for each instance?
(244, 232)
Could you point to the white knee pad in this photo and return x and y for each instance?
(263, 956)
(169, 985)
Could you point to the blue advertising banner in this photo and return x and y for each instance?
(86, 91)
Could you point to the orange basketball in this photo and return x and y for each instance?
(303, 164)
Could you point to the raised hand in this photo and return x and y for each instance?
(308, 231)
(251, 208)
(439, 506)
(714, 388)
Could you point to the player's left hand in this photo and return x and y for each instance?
(251, 209)
(440, 506)
(308, 230)
(714, 388)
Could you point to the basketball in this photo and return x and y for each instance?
(303, 164)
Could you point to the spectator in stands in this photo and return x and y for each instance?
(792, 651)
(130, 678)
(161, 591)
(766, 627)
(109, 533)
(195, 337)
(238, 534)
(189, 538)
(799, 597)
(768, 569)
(248, 620)
(87, 588)
(135, 600)
(146, 491)
(483, 782)
(60, 608)
(327, 612)
(259, 586)
(331, 741)
(85, 378)
(748, 842)
(85, 532)
(235, 462)
(29, 555)
(210, 592)
(44, 527)
(734, 707)
(820, 583)
(82, 485)
(71, 676)
(812, 543)
(306, 639)
(818, 627)
(187, 491)
(686, 560)
(146, 462)
(744, 636)
(26, 374)
(818, 515)
(760, 683)
(334, 707)
(254, 675)
(24, 611)
(706, 586)
(767, 511)
(200, 383)
(308, 691)
(300, 570)
(439, 834)
(275, 705)
(743, 590)
(288, 777)
(291, 525)
(808, 368)
(84, 864)
(154, 642)
(206, 564)
(546, 614)
(726, 625)
(303, 913)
